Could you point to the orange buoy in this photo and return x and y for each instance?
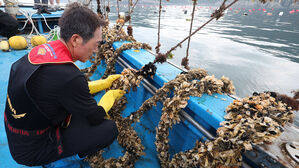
(121, 21)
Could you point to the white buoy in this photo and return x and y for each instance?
(280, 13)
(122, 15)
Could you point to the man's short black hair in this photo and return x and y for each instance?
(80, 20)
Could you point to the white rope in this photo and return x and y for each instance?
(46, 22)
(50, 36)
(52, 33)
(29, 18)
(24, 25)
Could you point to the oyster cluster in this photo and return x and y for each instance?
(110, 68)
(131, 78)
(148, 70)
(128, 80)
(210, 85)
(117, 33)
(252, 120)
(256, 119)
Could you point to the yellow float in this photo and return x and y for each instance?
(17, 42)
(38, 40)
(4, 46)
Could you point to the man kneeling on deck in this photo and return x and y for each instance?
(50, 113)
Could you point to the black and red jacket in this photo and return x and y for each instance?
(31, 136)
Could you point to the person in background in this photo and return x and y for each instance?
(42, 7)
(8, 24)
(55, 7)
(50, 113)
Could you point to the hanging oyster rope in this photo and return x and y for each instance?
(130, 78)
(171, 107)
(127, 137)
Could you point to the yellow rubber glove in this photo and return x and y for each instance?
(109, 98)
(98, 85)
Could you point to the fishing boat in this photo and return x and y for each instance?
(199, 120)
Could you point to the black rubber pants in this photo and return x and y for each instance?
(83, 139)
(79, 138)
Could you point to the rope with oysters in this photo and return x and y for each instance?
(253, 120)
(107, 52)
(128, 137)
